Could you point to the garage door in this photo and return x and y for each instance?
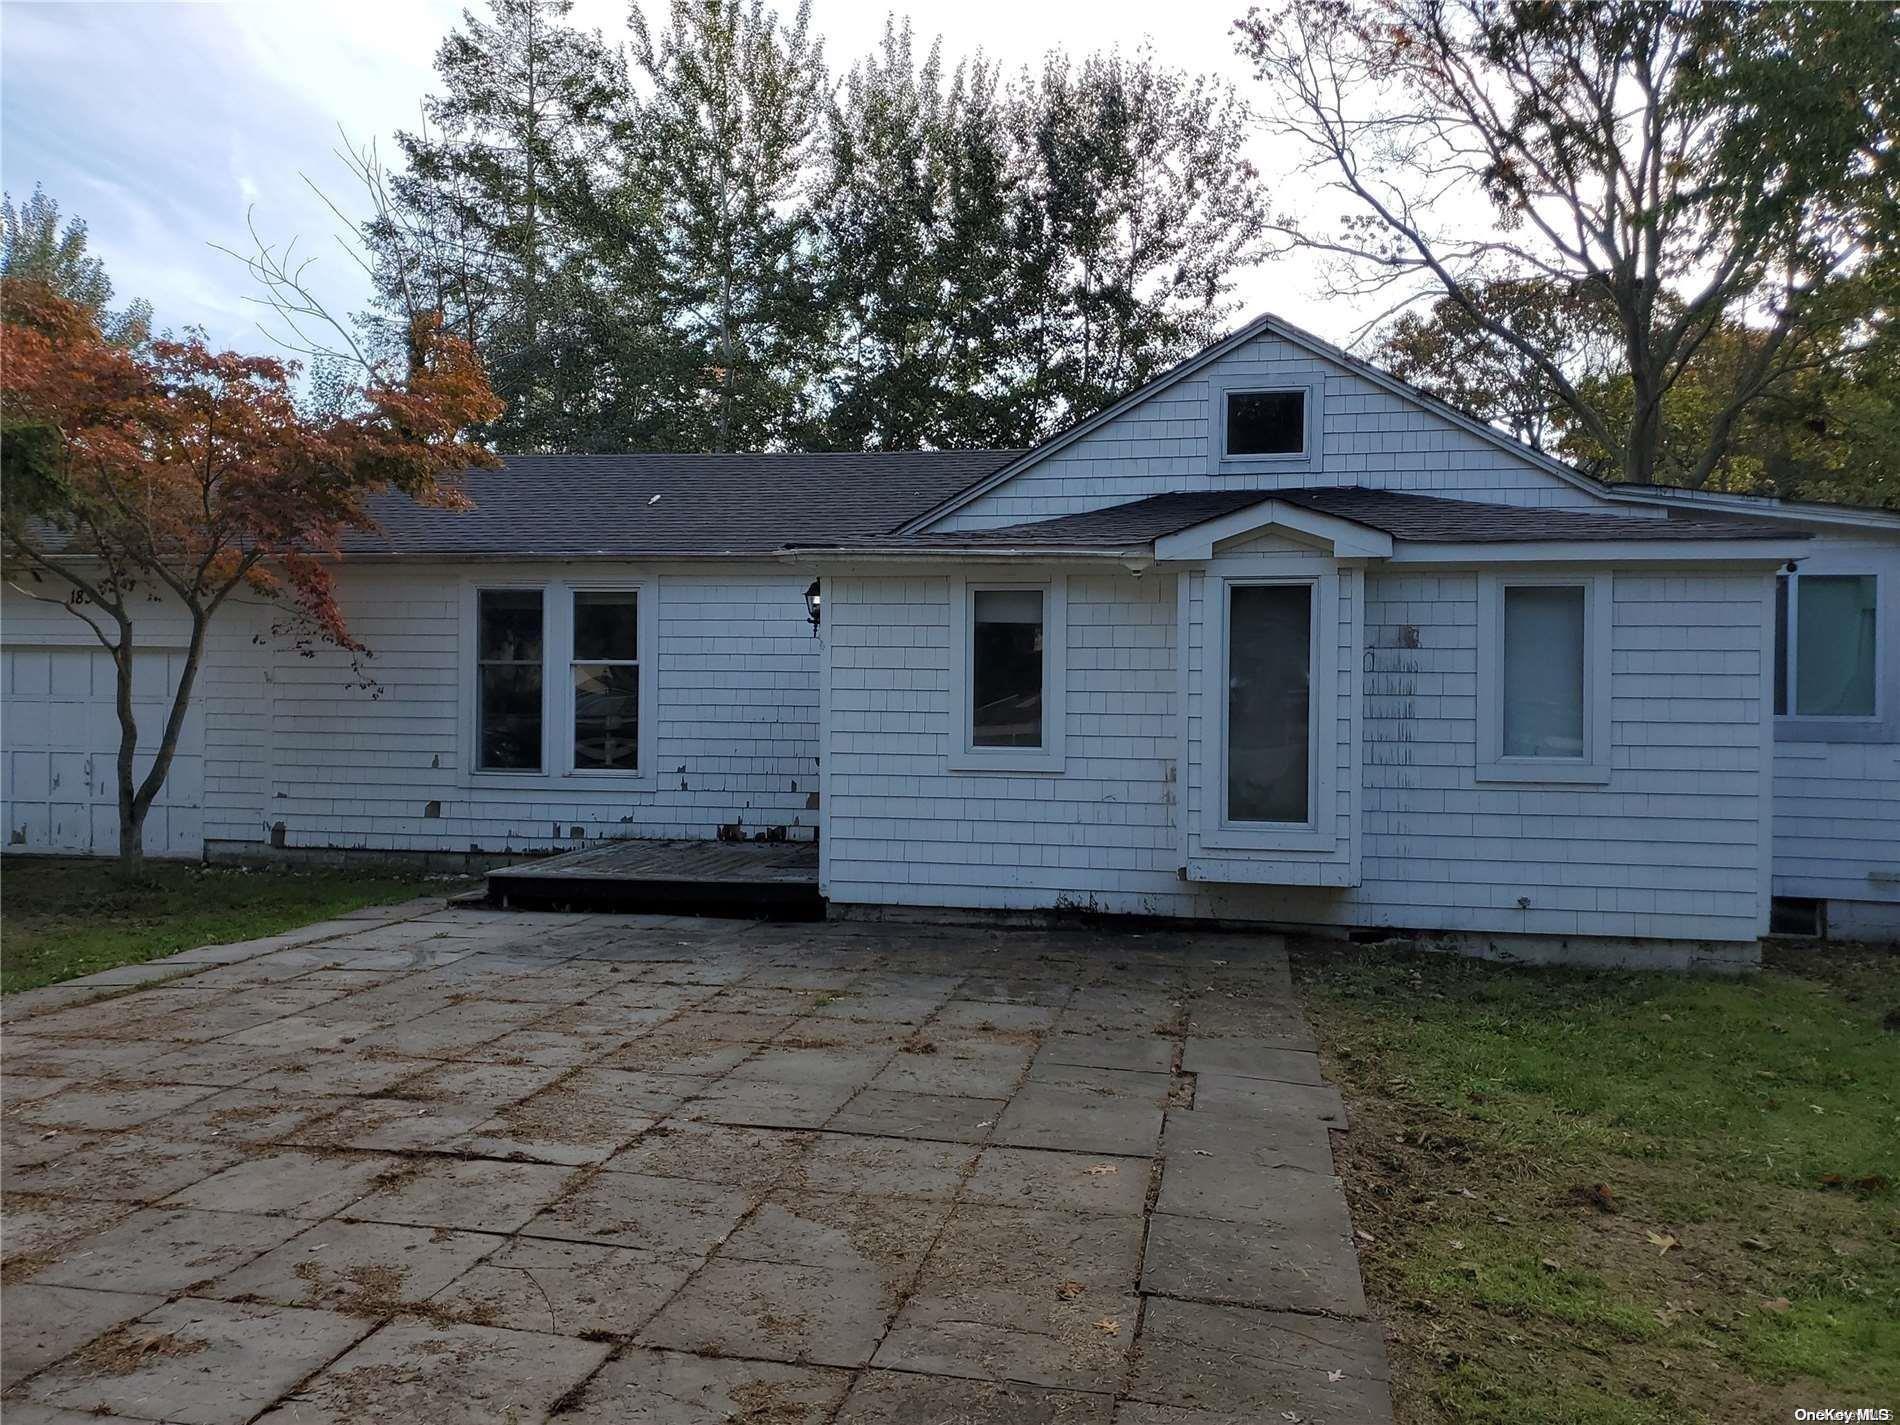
(59, 737)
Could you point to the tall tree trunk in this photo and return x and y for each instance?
(136, 797)
(131, 814)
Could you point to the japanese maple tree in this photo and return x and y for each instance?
(173, 473)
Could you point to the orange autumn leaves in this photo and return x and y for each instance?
(175, 466)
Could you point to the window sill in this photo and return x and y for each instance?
(1025, 761)
(1226, 869)
(1251, 464)
(1270, 840)
(1843, 729)
(563, 781)
(1548, 772)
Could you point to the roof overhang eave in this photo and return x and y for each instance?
(1765, 552)
(940, 553)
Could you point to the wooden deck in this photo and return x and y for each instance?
(778, 879)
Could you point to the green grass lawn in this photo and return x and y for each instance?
(1617, 1199)
(61, 919)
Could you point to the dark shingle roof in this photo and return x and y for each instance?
(1421, 518)
(676, 505)
(1138, 522)
(1431, 520)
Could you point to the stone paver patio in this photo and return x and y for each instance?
(454, 1166)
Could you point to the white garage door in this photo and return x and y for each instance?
(59, 735)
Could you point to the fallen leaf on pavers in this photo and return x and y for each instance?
(1335, 1377)
(1102, 1170)
(1108, 1324)
(1777, 1305)
(1202, 1153)
(1661, 1240)
(1069, 1291)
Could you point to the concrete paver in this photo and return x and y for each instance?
(473, 1166)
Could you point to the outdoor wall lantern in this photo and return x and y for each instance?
(813, 610)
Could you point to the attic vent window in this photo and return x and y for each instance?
(1266, 423)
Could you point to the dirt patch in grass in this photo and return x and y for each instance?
(1617, 1199)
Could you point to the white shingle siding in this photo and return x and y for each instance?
(1369, 436)
(1837, 802)
(345, 766)
(1669, 848)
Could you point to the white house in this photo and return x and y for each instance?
(1274, 639)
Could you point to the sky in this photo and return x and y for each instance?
(167, 125)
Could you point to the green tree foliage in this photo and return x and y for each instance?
(1827, 429)
(1136, 210)
(480, 227)
(1689, 168)
(36, 249)
(724, 133)
(708, 244)
(916, 230)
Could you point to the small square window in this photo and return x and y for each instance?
(1266, 422)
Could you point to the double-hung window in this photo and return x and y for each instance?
(563, 682)
(1009, 676)
(1827, 646)
(511, 637)
(1543, 678)
(605, 675)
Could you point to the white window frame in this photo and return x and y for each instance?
(965, 755)
(1594, 765)
(472, 683)
(557, 687)
(1820, 727)
(1318, 833)
(644, 773)
(1307, 457)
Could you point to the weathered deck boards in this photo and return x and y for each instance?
(749, 878)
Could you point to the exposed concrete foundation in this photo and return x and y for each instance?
(258, 853)
(1718, 957)
(1873, 922)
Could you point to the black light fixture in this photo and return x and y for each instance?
(814, 600)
